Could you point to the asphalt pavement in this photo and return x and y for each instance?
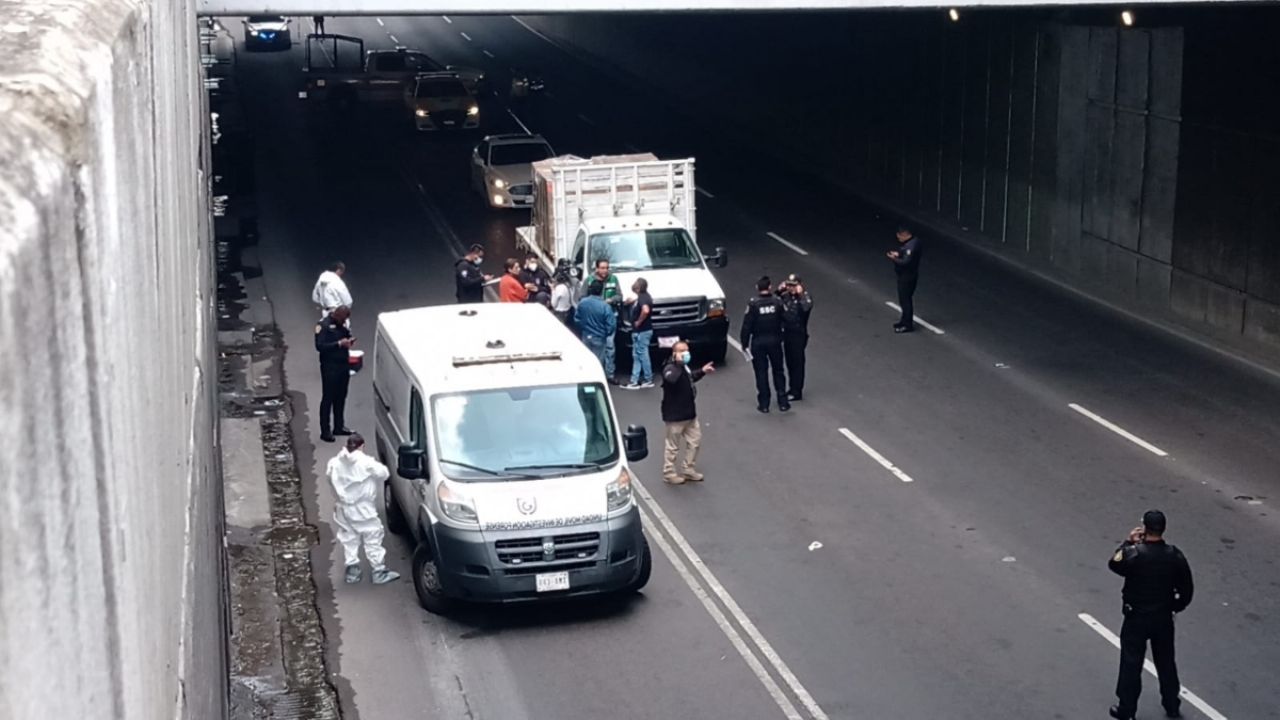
(925, 535)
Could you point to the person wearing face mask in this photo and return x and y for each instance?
(533, 274)
(680, 415)
(468, 277)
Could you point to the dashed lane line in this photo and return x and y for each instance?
(446, 19)
(1119, 430)
(465, 37)
(787, 243)
(870, 451)
(487, 54)
(1150, 667)
(380, 22)
(927, 325)
(704, 193)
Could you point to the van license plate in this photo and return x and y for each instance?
(668, 342)
(550, 582)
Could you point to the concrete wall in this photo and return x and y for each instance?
(1057, 138)
(110, 521)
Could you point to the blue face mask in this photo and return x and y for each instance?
(686, 357)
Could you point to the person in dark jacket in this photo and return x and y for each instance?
(680, 414)
(533, 274)
(906, 265)
(468, 277)
(333, 343)
(1157, 584)
(796, 307)
(762, 338)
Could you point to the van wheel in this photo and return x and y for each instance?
(395, 518)
(426, 582)
(646, 568)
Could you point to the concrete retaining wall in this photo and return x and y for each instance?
(1061, 142)
(111, 601)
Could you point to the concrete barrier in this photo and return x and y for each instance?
(111, 600)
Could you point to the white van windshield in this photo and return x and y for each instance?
(646, 249)
(524, 432)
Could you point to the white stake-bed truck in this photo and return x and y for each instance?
(637, 212)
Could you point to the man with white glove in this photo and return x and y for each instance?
(330, 292)
(356, 478)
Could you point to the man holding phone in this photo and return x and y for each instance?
(1157, 584)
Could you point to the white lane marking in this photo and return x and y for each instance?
(380, 22)
(519, 122)
(1119, 430)
(465, 37)
(446, 19)
(726, 627)
(927, 325)
(749, 627)
(787, 243)
(487, 54)
(875, 455)
(738, 346)
(1150, 667)
(525, 25)
(705, 193)
(394, 39)
(586, 119)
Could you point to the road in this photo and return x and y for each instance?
(807, 579)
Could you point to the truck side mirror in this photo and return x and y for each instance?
(409, 462)
(721, 258)
(636, 443)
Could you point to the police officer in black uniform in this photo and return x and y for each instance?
(762, 337)
(333, 342)
(796, 306)
(906, 265)
(468, 277)
(1157, 584)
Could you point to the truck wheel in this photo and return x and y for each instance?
(426, 582)
(718, 353)
(395, 518)
(646, 568)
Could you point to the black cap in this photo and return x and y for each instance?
(476, 247)
(793, 279)
(1153, 521)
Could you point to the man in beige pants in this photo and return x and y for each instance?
(680, 413)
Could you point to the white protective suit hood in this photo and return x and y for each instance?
(355, 478)
(330, 291)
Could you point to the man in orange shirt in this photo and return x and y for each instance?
(510, 289)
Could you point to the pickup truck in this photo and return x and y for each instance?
(637, 212)
(339, 71)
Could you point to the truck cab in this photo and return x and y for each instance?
(637, 212)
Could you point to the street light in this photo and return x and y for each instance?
(1126, 17)
(954, 14)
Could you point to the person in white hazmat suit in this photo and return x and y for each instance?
(356, 479)
(330, 292)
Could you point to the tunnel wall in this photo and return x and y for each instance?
(111, 600)
(1060, 143)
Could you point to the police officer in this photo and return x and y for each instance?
(762, 337)
(467, 276)
(796, 306)
(333, 343)
(906, 266)
(1157, 584)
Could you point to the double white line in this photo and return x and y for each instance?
(704, 584)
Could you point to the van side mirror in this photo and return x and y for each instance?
(410, 462)
(636, 443)
(576, 272)
(720, 259)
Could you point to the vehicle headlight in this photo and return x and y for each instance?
(499, 200)
(499, 183)
(618, 492)
(455, 506)
(715, 307)
(474, 110)
(253, 33)
(421, 113)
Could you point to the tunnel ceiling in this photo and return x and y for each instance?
(489, 7)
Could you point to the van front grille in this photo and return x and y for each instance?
(529, 550)
(677, 312)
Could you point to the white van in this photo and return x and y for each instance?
(511, 472)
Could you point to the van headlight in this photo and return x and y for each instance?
(456, 507)
(618, 492)
(421, 113)
(715, 307)
(474, 110)
(499, 183)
